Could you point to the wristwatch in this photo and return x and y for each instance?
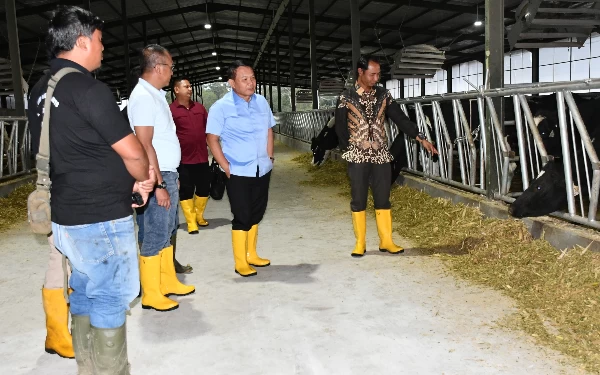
(162, 185)
(272, 158)
(422, 136)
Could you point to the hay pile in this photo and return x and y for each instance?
(557, 292)
(13, 208)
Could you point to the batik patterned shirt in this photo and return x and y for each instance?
(360, 124)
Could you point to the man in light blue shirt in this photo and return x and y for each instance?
(242, 121)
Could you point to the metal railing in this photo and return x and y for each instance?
(462, 142)
(15, 147)
(303, 125)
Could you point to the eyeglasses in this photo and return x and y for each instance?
(172, 66)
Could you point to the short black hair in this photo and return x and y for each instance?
(232, 70)
(150, 56)
(363, 63)
(67, 24)
(179, 79)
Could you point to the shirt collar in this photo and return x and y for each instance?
(238, 99)
(151, 88)
(359, 89)
(177, 104)
(57, 64)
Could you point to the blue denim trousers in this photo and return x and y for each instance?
(156, 224)
(105, 271)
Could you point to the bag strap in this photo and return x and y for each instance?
(43, 155)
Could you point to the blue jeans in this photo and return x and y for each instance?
(106, 275)
(156, 224)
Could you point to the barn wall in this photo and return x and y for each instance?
(556, 64)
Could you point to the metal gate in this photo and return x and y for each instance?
(462, 140)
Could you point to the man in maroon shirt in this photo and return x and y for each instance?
(194, 172)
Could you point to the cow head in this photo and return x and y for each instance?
(546, 194)
(318, 151)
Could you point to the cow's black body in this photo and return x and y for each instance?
(548, 192)
(326, 140)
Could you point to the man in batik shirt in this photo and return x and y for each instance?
(360, 117)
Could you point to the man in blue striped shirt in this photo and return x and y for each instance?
(242, 121)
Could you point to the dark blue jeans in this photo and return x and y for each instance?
(157, 224)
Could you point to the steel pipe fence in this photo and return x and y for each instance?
(461, 139)
(15, 147)
(303, 125)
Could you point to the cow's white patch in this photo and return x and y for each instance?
(538, 119)
(541, 174)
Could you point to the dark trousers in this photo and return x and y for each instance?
(193, 178)
(363, 175)
(248, 198)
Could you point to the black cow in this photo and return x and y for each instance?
(322, 144)
(548, 192)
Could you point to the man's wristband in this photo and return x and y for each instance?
(272, 158)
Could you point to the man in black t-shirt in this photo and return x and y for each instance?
(95, 161)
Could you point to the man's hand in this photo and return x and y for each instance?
(148, 185)
(162, 198)
(144, 188)
(227, 171)
(428, 146)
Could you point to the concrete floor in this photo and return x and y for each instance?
(315, 310)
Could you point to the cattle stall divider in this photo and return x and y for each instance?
(15, 147)
(456, 136)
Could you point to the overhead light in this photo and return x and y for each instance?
(218, 68)
(220, 78)
(477, 21)
(207, 26)
(214, 53)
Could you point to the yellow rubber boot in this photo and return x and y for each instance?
(169, 284)
(58, 337)
(239, 240)
(359, 222)
(200, 203)
(384, 228)
(189, 211)
(251, 256)
(152, 298)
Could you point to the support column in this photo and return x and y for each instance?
(449, 80)
(270, 80)
(494, 64)
(86, 5)
(535, 65)
(313, 54)
(264, 80)
(291, 54)
(355, 34)
(422, 86)
(277, 71)
(402, 88)
(15, 56)
(126, 46)
(144, 33)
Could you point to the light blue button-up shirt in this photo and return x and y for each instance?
(243, 128)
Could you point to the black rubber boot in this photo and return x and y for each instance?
(178, 267)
